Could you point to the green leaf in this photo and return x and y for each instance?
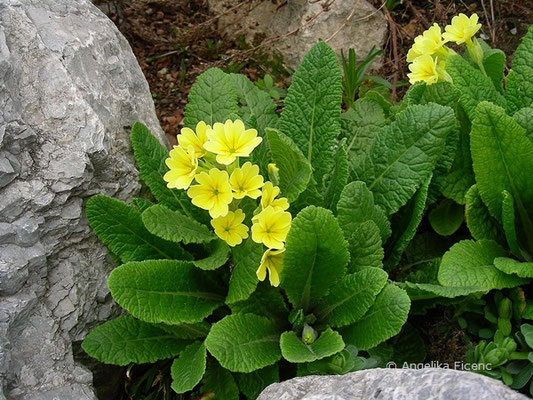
(266, 301)
(141, 204)
(472, 84)
(527, 313)
(365, 247)
(252, 384)
(187, 331)
(337, 179)
(382, 321)
(355, 206)
(447, 217)
(524, 118)
(360, 124)
(126, 340)
(527, 331)
(351, 298)
(174, 226)
(494, 64)
(243, 281)
(508, 222)
(218, 255)
(244, 342)
(189, 368)
(519, 86)
(405, 223)
(405, 153)
(424, 291)
(220, 382)
(165, 291)
(150, 156)
(312, 108)
(478, 219)
(256, 104)
(315, 258)
(120, 228)
(294, 169)
(470, 263)
(503, 160)
(510, 266)
(212, 99)
(295, 350)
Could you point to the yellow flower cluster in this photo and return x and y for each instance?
(211, 157)
(427, 56)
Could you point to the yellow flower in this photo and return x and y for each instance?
(231, 140)
(271, 227)
(268, 198)
(197, 139)
(272, 261)
(182, 163)
(462, 28)
(423, 68)
(230, 228)
(430, 42)
(246, 181)
(213, 192)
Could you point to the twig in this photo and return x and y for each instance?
(394, 34)
(489, 22)
(236, 6)
(355, 4)
(418, 14)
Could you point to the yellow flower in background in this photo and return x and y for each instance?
(230, 227)
(462, 28)
(231, 140)
(272, 261)
(271, 227)
(423, 68)
(213, 193)
(246, 181)
(268, 198)
(188, 137)
(182, 164)
(430, 42)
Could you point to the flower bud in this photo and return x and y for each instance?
(273, 173)
(309, 335)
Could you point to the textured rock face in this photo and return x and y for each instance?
(343, 24)
(392, 384)
(69, 85)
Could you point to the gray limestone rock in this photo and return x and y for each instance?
(69, 88)
(393, 384)
(293, 27)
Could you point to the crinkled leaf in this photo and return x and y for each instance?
(218, 255)
(174, 226)
(295, 350)
(524, 118)
(337, 179)
(519, 87)
(141, 204)
(494, 64)
(312, 108)
(508, 222)
(165, 291)
(351, 298)
(474, 86)
(189, 368)
(423, 291)
(150, 157)
(355, 206)
(252, 384)
(212, 99)
(120, 228)
(510, 266)
(243, 281)
(365, 247)
(447, 217)
(405, 223)
(470, 263)
(478, 219)
(382, 321)
(244, 342)
(126, 340)
(405, 153)
(294, 170)
(315, 258)
(187, 331)
(220, 382)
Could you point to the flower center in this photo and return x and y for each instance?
(216, 192)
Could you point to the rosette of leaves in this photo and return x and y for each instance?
(358, 184)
